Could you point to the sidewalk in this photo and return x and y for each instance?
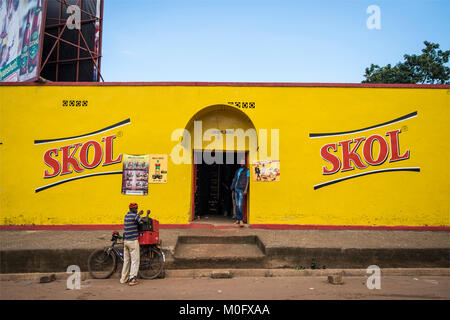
(44, 251)
(44, 239)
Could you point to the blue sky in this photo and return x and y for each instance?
(263, 40)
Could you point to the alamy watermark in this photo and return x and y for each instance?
(74, 20)
(374, 20)
(219, 141)
(74, 280)
(374, 281)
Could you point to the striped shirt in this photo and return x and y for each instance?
(130, 225)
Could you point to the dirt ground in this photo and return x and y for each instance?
(242, 288)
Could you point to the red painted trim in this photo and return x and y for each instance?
(194, 185)
(234, 84)
(63, 227)
(246, 200)
(108, 227)
(331, 227)
(211, 226)
(197, 226)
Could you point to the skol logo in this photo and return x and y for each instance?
(349, 154)
(70, 161)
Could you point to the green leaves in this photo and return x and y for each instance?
(427, 68)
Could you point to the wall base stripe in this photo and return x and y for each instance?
(211, 226)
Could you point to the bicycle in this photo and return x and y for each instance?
(102, 263)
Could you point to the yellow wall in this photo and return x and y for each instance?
(29, 113)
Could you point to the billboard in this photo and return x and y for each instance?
(21, 28)
(72, 41)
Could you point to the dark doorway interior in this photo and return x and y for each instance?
(212, 195)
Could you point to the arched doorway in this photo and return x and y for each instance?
(215, 160)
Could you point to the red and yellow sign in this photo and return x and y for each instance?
(352, 156)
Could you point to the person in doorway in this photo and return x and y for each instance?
(131, 254)
(239, 188)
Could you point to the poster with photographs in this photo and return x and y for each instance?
(158, 168)
(266, 170)
(135, 174)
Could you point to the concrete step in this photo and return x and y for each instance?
(248, 239)
(218, 252)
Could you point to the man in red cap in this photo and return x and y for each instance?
(131, 246)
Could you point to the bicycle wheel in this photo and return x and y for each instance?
(102, 264)
(151, 264)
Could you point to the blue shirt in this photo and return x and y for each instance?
(242, 182)
(130, 226)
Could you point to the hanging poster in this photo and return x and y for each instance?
(158, 168)
(266, 170)
(135, 174)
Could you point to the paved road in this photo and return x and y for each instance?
(242, 288)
